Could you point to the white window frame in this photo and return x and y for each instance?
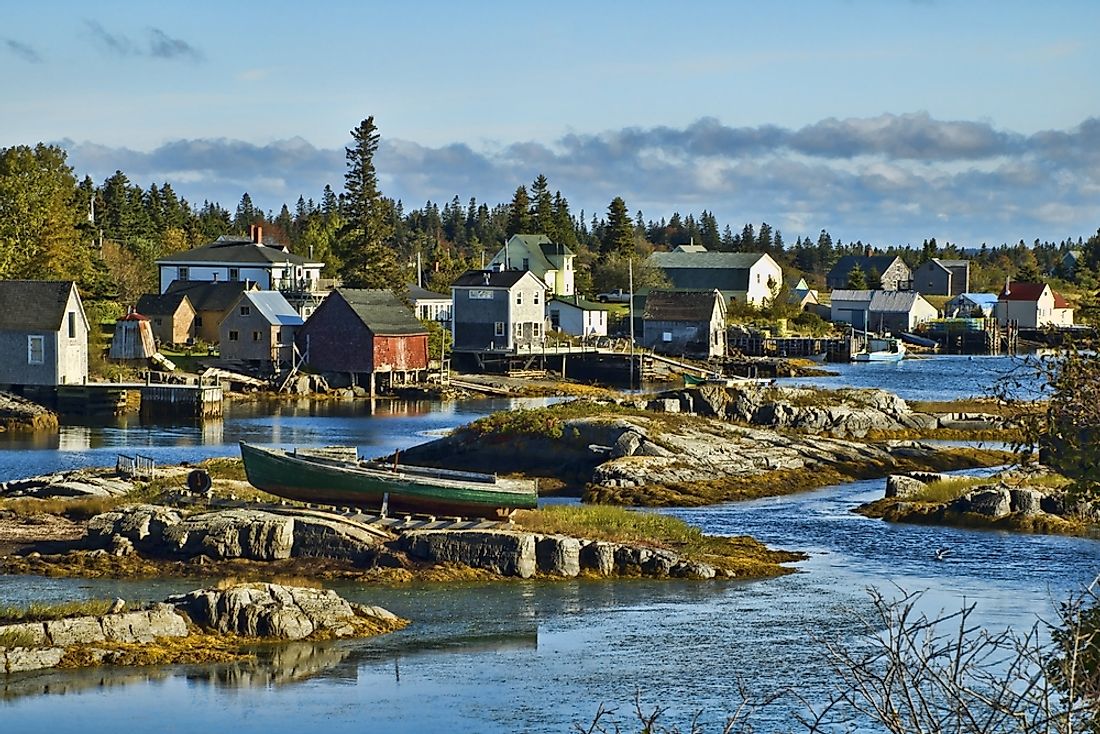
(519, 298)
(234, 335)
(536, 301)
(498, 329)
(183, 273)
(36, 349)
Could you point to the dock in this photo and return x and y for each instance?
(103, 399)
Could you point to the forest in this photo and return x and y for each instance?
(108, 235)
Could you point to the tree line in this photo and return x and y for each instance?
(107, 236)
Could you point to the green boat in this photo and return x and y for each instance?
(338, 477)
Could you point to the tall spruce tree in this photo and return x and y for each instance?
(618, 236)
(519, 217)
(368, 260)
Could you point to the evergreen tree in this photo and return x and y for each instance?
(764, 238)
(519, 219)
(618, 238)
(542, 208)
(247, 214)
(857, 280)
(368, 259)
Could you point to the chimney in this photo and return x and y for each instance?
(258, 234)
(867, 251)
(1008, 285)
(487, 276)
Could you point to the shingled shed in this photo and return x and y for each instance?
(369, 335)
(43, 333)
(688, 323)
(133, 338)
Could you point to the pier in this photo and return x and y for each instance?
(99, 399)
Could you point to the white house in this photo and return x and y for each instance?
(429, 306)
(745, 277)
(550, 262)
(577, 316)
(230, 259)
(1033, 306)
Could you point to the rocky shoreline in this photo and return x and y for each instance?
(205, 625)
(20, 414)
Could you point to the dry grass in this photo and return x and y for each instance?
(74, 508)
(893, 510)
(16, 638)
(37, 612)
(974, 405)
(743, 555)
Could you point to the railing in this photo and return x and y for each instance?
(137, 467)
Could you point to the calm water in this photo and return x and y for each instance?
(534, 657)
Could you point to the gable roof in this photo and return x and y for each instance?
(416, 293)
(491, 278)
(1030, 292)
(273, 307)
(985, 300)
(237, 250)
(210, 296)
(688, 248)
(578, 302)
(680, 305)
(866, 263)
(730, 260)
(895, 301)
(381, 311)
(162, 304)
(843, 294)
(33, 305)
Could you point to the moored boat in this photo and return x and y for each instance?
(880, 350)
(335, 478)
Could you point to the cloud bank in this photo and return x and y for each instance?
(890, 179)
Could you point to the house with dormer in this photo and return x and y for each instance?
(270, 265)
(549, 261)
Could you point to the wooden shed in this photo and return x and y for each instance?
(369, 335)
(133, 338)
(172, 316)
(689, 323)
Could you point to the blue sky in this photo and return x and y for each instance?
(886, 121)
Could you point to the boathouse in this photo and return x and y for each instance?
(881, 310)
(369, 335)
(1033, 306)
(43, 333)
(942, 277)
(259, 329)
(685, 323)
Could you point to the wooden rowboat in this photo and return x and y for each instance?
(336, 478)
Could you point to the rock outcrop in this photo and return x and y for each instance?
(256, 535)
(19, 414)
(266, 611)
(77, 483)
(518, 553)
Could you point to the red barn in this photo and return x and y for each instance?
(369, 335)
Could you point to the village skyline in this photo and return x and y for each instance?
(889, 124)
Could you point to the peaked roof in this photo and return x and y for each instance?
(227, 249)
(680, 305)
(579, 302)
(866, 263)
(729, 260)
(273, 307)
(210, 296)
(381, 311)
(843, 294)
(416, 293)
(689, 248)
(491, 278)
(981, 299)
(33, 305)
(163, 304)
(1030, 292)
(895, 301)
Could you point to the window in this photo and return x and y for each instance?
(198, 321)
(536, 301)
(255, 336)
(36, 350)
(245, 310)
(233, 336)
(183, 274)
(499, 330)
(519, 330)
(526, 264)
(666, 336)
(555, 319)
(519, 298)
(535, 328)
(158, 322)
(234, 273)
(72, 325)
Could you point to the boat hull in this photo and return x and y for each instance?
(877, 357)
(308, 479)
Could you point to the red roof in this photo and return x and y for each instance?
(1030, 292)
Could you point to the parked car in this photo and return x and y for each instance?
(616, 296)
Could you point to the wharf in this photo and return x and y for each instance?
(760, 345)
(92, 399)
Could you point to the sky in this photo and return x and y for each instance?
(886, 121)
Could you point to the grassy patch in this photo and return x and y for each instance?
(37, 612)
(16, 638)
(975, 405)
(893, 510)
(946, 490)
(225, 468)
(75, 508)
(547, 421)
(743, 555)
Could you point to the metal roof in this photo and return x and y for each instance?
(711, 260)
(381, 311)
(842, 294)
(33, 305)
(895, 301)
(273, 307)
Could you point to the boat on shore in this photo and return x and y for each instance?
(336, 476)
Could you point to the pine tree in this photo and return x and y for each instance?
(519, 218)
(618, 238)
(368, 258)
(542, 208)
(857, 280)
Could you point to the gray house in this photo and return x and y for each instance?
(690, 323)
(885, 272)
(942, 277)
(498, 310)
(260, 328)
(43, 333)
(881, 310)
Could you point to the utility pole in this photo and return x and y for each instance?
(630, 315)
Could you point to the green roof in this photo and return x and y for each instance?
(381, 311)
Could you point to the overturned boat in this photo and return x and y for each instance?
(336, 476)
